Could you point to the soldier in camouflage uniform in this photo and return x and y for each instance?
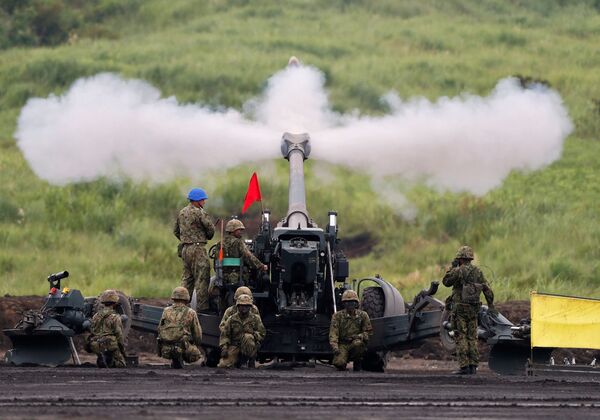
(242, 290)
(234, 247)
(467, 282)
(349, 333)
(179, 332)
(241, 336)
(106, 338)
(194, 228)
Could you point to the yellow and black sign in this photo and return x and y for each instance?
(564, 321)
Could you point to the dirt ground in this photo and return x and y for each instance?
(302, 393)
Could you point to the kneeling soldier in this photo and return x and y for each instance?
(242, 290)
(106, 338)
(241, 336)
(349, 333)
(179, 332)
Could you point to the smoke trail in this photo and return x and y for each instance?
(105, 126)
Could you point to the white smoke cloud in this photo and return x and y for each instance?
(105, 126)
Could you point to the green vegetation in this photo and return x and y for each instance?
(538, 231)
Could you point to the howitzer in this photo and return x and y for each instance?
(307, 275)
(45, 336)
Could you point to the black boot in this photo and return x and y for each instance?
(108, 358)
(100, 362)
(357, 365)
(465, 370)
(177, 362)
(251, 363)
(473, 369)
(242, 362)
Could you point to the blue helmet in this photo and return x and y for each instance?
(197, 194)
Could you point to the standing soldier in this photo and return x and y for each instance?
(106, 338)
(467, 282)
(194, 228)
(235, 256)
(179, 332)
(242, 290)
(241, 336)
(349, 333)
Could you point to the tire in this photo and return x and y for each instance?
(373, 302)
(124, 308)
(448, 342)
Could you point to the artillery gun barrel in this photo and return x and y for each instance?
(296, 148)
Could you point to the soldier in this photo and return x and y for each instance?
(106, 338)
(194, 228)
(349, 333)
(179, 332)
(241, 336)
(234, 248)
(467, 282)
(242, 290)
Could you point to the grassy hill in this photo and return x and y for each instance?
(538, 231)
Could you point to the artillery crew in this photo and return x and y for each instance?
(349, 333)
(234, 247)
(194, 228)
(242, 290)
(179, 331)
(467, 282)
(241, 336)
(106, 338)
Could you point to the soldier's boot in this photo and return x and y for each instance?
(100, 362)
(108, 358)
(242, 362)
(252, 363)
(341, 368)
(357, 365)
(177, 362)
(465, 370)
(473, 369)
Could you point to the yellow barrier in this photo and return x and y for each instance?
(564, 321)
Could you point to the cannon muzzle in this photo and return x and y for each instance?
(296, 148)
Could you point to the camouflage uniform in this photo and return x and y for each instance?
(349, 335)
(232, 310)
(179, 333)
(465, 313)
(106, 338)
(236, 248)
(241, 336)
(194, 228)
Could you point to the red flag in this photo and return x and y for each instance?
(253, 193)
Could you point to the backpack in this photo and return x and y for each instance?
(471, 290)
(171, 329)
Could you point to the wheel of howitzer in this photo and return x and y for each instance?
(448, 341)
(373, 302)
(123, 308)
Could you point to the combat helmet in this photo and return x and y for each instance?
(242, 290)
(465, 252)
(109, 296)
(349, 295)
(180, 293)
(197, 194)
(233, 225)
(243, 300)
